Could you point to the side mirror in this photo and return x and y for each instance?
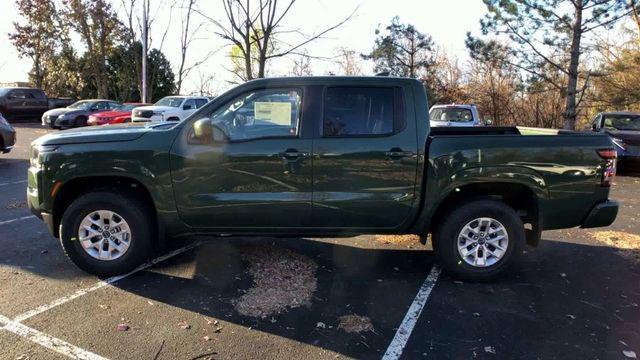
(187, 107)
(204, 132)
(488, 122)
(594, 127)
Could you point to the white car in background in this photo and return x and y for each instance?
(455, 115)
(169, 108)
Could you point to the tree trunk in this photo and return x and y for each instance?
(570, 111)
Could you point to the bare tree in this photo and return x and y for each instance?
(255, 28)
(348, 62)
(301, 65)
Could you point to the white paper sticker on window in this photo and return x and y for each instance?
(275, 112)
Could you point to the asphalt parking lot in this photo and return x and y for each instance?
(575, 296)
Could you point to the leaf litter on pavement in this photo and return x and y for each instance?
(282, 279)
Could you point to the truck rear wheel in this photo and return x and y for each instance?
(106, 233)
(479, 240)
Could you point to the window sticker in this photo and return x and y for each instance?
(275, 112)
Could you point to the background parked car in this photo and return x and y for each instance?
(169, 108)
(118, 115)
(7, 135)
(623, 128)
(22, 102)
(76, 114)
(454, 115)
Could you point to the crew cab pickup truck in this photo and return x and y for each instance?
(321, 157)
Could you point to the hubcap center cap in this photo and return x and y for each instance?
(106, 234)
(481, 241)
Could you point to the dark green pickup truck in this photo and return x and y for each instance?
(319, 156)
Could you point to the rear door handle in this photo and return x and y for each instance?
(292, 154)
(397, 153)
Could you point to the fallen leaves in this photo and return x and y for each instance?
(355, 324)
(282, 279)
(398, 239)
(184, 325)
(123, 327)
(628, 245)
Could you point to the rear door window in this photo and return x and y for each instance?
(353, 111)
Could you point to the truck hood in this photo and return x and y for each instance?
(630, 137)
(157, 108)
(94, 134)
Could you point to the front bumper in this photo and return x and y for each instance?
(35, 201)
(602, 214)
(154, 118)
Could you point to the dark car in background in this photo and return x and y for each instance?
(76, 114)
(22, 102)
(7, 135)
(623, 127)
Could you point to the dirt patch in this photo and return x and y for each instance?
(15, 204)
(628, 245)
(355, 324)
(282, 279)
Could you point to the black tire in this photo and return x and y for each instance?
(80, 121)
(132, 210)
(445, 239)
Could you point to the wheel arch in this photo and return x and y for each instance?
(76, 187)
(519, 197)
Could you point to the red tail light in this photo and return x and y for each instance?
(611, 156)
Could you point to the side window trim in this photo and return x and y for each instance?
(398, 112)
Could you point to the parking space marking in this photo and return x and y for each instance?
(18, 219)
(48, 341)
(13, 183)
(394, 351)
(99, 285)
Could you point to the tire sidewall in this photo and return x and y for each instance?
(447, 239)
(129, 209)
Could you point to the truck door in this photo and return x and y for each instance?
(17, 102)
(255, 174)
(364, 159)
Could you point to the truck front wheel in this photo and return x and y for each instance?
(479, 240)
(106, 233)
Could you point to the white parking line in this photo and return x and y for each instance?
(48, 341)
(13, 182)
(22, 317)
(18, 219)
(394, 351)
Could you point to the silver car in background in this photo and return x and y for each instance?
(454, 115)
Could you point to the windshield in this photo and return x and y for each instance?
(170, 101)
(4, 91)
(622, 122)
(84, 105)
(451, 114)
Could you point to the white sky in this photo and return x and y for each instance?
(446, 21)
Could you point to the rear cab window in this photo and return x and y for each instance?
(451, 114)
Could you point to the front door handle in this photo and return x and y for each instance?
(397, 153)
